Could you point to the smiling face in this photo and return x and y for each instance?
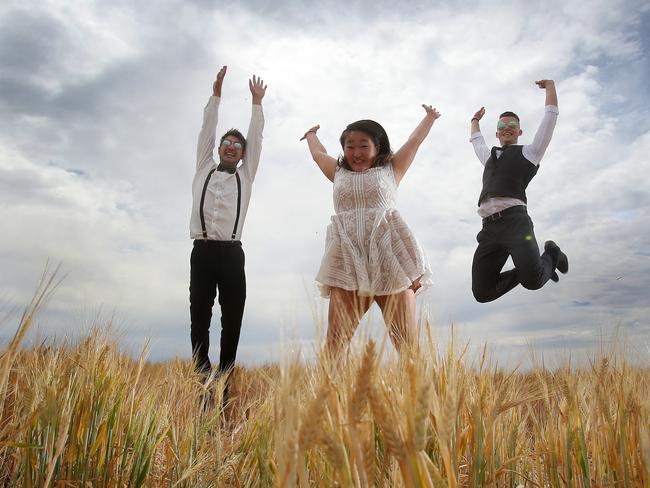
(508, 130)
(231, 151)
(359, 150)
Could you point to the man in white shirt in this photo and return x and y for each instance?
(221, 194)
(507, 228)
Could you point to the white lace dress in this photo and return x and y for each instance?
(369, 247)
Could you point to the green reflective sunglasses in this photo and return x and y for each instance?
(513, 124)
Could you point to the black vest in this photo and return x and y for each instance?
(507, 176)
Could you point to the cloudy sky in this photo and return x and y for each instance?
(101, 104)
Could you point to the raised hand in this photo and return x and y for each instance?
(431, 111)
(479, 114)
(258, 89)
(544, 83)
(313, 130)
(551, 94)
(218, 83)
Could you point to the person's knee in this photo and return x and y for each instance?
(482, 295)
(531, 282)
(482, 298)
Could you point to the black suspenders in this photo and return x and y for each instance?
(205, 188)
(234, 229)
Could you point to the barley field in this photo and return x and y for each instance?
(86, 414)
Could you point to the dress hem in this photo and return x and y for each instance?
(425, 283)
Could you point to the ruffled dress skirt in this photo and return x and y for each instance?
(369, 248)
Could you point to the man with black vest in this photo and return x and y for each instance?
(221, 194)
(507, 228)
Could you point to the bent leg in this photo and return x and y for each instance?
(203, 289)
(345, 311)
(533, 270)
(399, 314)
(488, 282)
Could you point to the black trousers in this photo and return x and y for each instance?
(510, 235)
(216, 265)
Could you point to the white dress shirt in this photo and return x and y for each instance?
(532, 152)
(220, 204)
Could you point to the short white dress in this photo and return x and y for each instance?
(369, 248)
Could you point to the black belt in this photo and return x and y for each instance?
(209, 242)
(508, 211)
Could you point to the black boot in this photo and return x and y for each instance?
(561, 258)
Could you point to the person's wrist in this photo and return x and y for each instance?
(475, 118)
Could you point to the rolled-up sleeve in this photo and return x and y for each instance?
(535, 151)
(254, 142)
(480, 148)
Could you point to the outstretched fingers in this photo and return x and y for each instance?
(257, 86)
(431, 111)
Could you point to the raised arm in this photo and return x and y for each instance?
(405, 155)
(325, 162)
(476, 138)
(218, 83)
(535, 151)
(475, 126)
(551, 94)
(205, 146)
(254, 137)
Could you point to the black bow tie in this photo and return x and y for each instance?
(226, 169)
(494, 150)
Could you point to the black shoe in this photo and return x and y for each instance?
(562, 260)
(555, 277)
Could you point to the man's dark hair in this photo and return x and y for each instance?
(238, 135)
(510, 114)
(378, 136)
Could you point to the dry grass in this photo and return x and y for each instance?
(86, 414)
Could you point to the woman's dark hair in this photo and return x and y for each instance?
(378, 136)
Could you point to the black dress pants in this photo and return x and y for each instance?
(216, 266)
(511, 234)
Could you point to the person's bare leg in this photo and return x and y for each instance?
(345, 311)
(399, 314)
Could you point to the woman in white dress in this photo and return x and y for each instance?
(370, 253)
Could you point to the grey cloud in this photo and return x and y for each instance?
(21, 185)
(30, 42)
(76, 172)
